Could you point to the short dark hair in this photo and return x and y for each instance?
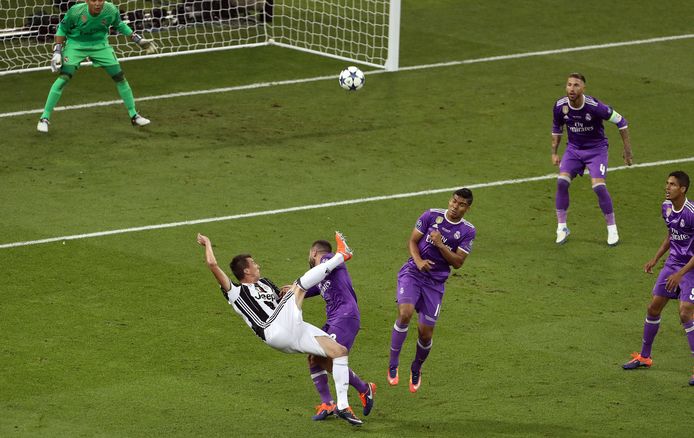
(465, 194)
(322, 246)
(682, 178)
(238, 264)
(577, 75)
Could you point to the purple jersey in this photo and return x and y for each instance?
(455, 235)
(584, 124)
(338, 293)
(681, 226)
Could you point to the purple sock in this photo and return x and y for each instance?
(650, 329)
(356, 382)
(689, 330)
(397, 338)
(320, 379)
(561, 216)
(562, 198)
(422, 353)
(605, 202)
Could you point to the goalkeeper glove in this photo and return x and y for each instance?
(57, 60)
(146, 44)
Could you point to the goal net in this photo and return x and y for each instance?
(362, 31)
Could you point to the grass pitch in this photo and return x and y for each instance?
(126, 335)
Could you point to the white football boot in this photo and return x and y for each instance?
(42, 126)
(138, 120)
(562, 234)
(612, 235)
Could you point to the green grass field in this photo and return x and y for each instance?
(127, 335)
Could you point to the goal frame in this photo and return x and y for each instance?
(391, 62)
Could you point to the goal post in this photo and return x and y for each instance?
(360, 31)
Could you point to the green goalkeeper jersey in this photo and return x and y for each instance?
(84, 30)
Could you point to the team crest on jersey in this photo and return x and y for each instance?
(565, 109)
(456, 235)
(439, 219)
(588, 117)
(83, 18)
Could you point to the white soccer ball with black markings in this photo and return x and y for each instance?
(352, 79)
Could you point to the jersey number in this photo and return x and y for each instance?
(602, 169)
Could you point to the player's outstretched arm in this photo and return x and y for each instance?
(148, 45)
(211, 261)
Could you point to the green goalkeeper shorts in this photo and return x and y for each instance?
(103, 57)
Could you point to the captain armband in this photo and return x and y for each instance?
(618, 120)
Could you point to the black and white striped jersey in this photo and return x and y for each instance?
(257, 303)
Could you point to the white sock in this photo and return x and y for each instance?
(341, 378)
(316, 274)
(612, 227)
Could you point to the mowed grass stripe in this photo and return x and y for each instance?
(318, 206)
(333, 77)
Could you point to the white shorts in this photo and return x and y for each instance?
(291, 334)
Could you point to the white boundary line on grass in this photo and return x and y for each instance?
(332, 77)
(317, 206)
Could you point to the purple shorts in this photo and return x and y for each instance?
(685, 291)
(343, 330)
(425, 294)
(575, 161)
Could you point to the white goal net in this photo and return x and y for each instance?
(363, 31)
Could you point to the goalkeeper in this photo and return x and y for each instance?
(83, 33)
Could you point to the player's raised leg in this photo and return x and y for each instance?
(316, 274)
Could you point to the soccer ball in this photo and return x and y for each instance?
(352, 79)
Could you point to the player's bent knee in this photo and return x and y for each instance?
(118, 77)
(405, 315)
(336, 350)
